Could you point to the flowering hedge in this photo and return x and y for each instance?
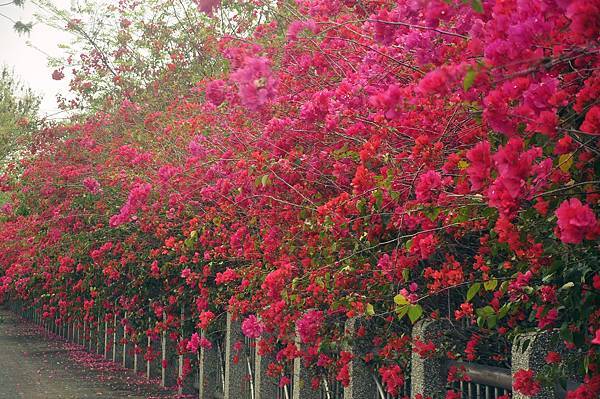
(387, 159)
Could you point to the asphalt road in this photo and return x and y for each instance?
(33, 367)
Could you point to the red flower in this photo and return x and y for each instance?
(591, 123)
(392, 377)
(552, 357)
(480, 166)
(596, 340)
(524, 383)
(575, 221)
(57, 75)
(428, 183)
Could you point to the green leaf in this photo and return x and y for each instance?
(477, 5)
(503, 310)
(378, 195)
(265, 180)
(415, 312)
(400, 300)
(491, 321)
(370, 310)
(485, 312)
(568, 285)
(401, 311)
(565, 161)
(490, 285)
(360, 206)
(469, 79)
(432, 213)
(406, 274)
(473, 290)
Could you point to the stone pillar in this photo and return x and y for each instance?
(127, 347)
(153, 367)
(265, 387)
(83, 333)
(106, 338)
(124, 354)
(91, 334)
(301, 379)
(180, 359)
(77, 332)
(428, 376)
(163, 353)
(528, 353)
(148, 346)
(209, 368)
(362, 384)
(99, 335)
(235, 371)
(115, 340)
(136, 349)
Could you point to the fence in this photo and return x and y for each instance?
(224, 371)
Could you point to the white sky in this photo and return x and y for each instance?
(30, 65)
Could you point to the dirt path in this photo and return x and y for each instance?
(32, 367)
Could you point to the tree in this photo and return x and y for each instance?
(18, 115)
(19, 26)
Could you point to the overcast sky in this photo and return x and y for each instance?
(29, 63)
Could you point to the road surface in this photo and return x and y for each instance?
(32, 367)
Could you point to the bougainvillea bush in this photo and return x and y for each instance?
(391, 160)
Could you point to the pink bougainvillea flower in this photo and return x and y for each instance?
(256, 82)
(576, 221)
(58, 74)
(252, 327)
(208, 6)
(309, 325)
(194, 343)
(92, 185)
(215, 91)
(428, 184)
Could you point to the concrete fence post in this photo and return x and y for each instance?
(148, 346)
(209, 368)
(115, 343)
(163, 352)
(428, 376)
(105, 337)
(235, 367)
(91, 334)
(98, 335)
(361, 384)
(136, 349)
(154, 365)
(124, 359)
(83, 332)
(180, 359)
(301, 379)
(528, 353)
(265, 387)
(78, 332)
